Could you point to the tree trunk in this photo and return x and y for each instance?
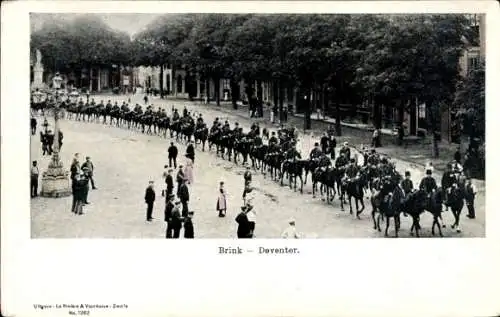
(430, 109)
(276, 92)
(377, 118)
(161, 81)
(217, 90)
(281, 95)
(259, 91)
(307, 109)
(248, 89)
(338, 118)
(207, 90)
(235, 93)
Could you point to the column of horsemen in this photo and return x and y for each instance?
(391, 193)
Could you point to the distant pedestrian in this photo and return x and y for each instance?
(169, 208)
(188, 171)
(184, 197)
(291, 231)
(45, 144)
(458, 156)
(34, 179)
(50, 141)
(149, 198)
(33, 125)
(169, 182)
(84, 179)
(75, 166)
(179, 178)
(247, 176)
(90, 170)
(176, 220)
(188, 226)
(172, 155)
(79, 193)
(60, 140)
(146, 97)
(252, 218)
(190, 151)
(221, 201)
(332, 144)
(470, 195)
(324, 143)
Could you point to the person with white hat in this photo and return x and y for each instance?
(291, 231)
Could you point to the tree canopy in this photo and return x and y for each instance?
(85, 40)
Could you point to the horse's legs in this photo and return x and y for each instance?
(350, 204)
(397, 223)
(379, 216)
(374, 210)
(387, 226)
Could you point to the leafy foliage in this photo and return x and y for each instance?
(86, 40)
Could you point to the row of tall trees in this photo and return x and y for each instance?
(387, 60)
(84, 42)
(390, 60)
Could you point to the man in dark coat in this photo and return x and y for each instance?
(34, 179)
(85, 185)
(324, 143)
(149, 198)
(190, 151)
(428, 183)
(169, 181)
(184, 197)
(188, 226)
(33, 125)
(346, 150)
(176, 222)
(247, 176)
(169, 208)
(332, 145)
(458, 156)
(172, 155)
(243, 231)
(60, 140)
(45, 145)
(470, 194)
(50, 141)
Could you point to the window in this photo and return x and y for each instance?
(472, 63)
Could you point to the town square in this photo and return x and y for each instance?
(292, 132)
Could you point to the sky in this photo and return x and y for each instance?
(130, 23)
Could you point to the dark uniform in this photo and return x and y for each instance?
(273, 140)
(347, 152)
(428, 184)
(190, 152)
(407, 185)
(341, 161)
(149, 198)
(470, 195)
(352, 170)
(184, 197)
(169, 181)
(172, 155)
(315, 153)
(169, 207)
(188, 227)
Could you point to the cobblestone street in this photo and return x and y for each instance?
(125, 160)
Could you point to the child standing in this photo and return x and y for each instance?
(221, 201)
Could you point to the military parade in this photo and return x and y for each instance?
(361, 176)
(207, 115)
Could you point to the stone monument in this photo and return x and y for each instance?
(38, 71)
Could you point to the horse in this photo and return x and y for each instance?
(419, 202)
(353, 188)
(455, 201)
(388, 207)
(294, 169)
(201, 135)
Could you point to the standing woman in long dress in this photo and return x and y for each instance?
(188, 171)
(221, 201)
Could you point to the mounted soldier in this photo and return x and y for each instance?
(273, 140)
(352, 169)
(428, 184)
(292, 154)
(315, 152)
(341, 160)
(175, 115)
(345, 149)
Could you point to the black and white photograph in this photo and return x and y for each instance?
(291, 126)
(322, 158)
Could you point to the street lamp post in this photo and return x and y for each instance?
(55, 181)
